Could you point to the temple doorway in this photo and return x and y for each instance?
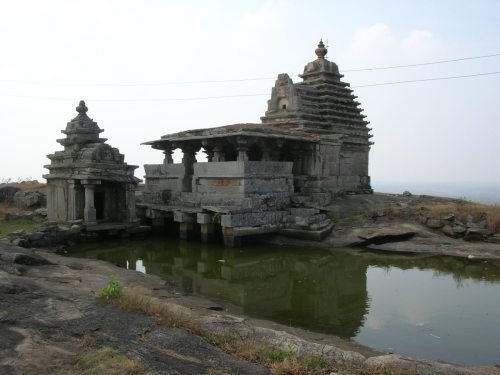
(99, 204)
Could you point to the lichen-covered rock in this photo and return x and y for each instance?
(475, 234)
(401, 364)
(459, 230)
(434, 224)
(26, 215)
(30, 198)
(448, 230)
(7, 193)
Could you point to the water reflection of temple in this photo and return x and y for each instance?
(327, 293)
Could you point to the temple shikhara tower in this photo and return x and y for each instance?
(276, 176)
(89, 181)
(324, 106)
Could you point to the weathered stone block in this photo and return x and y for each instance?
(459, 230)
(184, 217)
(448, 230)
(475, 234)
(434, 223)
(204, 218)
(252, 219)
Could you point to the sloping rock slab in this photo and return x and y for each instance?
(401, 364)
(382, 235)
(26, 258)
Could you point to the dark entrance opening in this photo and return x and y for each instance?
(99, 204)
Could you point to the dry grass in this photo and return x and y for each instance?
(26, 185)
(9, 207)
(108, 361)
(463, 209)
(280, 362)
(152, 307)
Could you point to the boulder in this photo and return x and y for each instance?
(385, 234)
(423, 219)
(459, 229)
(448, 217)
(9, 216)
(494, 238)
(434, 223)
(406, 193)
(376, 214)
(475, 234)
(30, 198)
(448, 230)
(41, 212)
(7, 193)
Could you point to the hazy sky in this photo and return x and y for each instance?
(54, 53)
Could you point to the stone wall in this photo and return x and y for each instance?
(165, 182)
(246, 177)
(57, 200)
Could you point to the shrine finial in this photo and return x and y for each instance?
(82, 108)
(321, 51)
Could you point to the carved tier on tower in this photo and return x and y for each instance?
(321, 103)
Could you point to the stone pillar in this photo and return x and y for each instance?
(267, 149)
(207, 227)
(242, 148)
(218, 154)
(188, 160)
(187, 224)
(208, 149)
(130, 202)
(186, 230)
(89, 211)
(71, 200)
(276, 150)
(189, 157)
(168, 156)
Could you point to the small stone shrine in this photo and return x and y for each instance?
(276, 176)
(89, 181)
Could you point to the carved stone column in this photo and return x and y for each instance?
(276, 150)
(130, 202)
(242, 148)
(89, 212)
(219, 154)
(168, 155)
(207, 227)
(208, 149)
(71, 200)
(189, 158)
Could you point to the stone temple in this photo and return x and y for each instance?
(276, 176)
(89, 181)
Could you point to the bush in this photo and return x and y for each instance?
(113, 290)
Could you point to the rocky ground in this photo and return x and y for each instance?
(411, 224)
(50, 319)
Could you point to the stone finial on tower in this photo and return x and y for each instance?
(82, 108)
(321, 51)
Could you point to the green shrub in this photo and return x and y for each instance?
(113, 290)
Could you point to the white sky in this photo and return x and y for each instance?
(430, 131)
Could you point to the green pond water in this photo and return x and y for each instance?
(438, 308)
